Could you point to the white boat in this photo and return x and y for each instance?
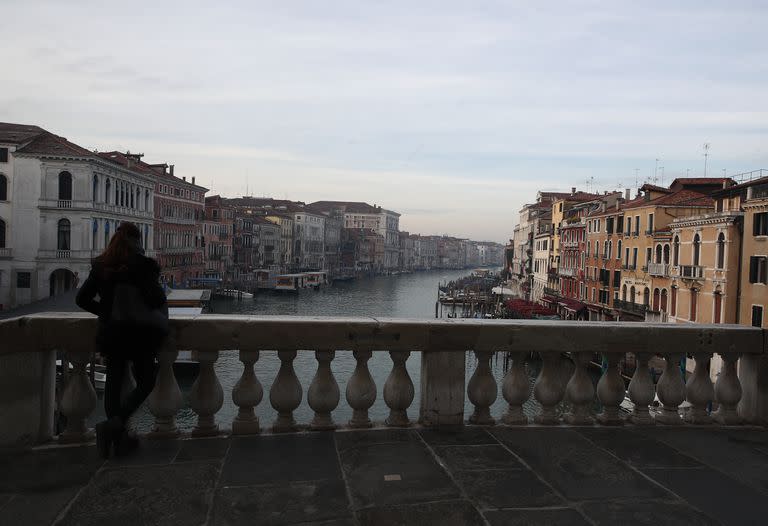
(290, 282)
(99, 374)
(315, 279)
(237, 293)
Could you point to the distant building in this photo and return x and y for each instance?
(218, 232)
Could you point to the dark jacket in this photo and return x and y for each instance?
(141, 271)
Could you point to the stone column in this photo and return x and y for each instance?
(516, 391)
(580, 392)
(699, 391)
(728, 392)
(286, 393)
(482, 390)
(323, 394)
(165, 399)
(548, 390)
(207, 396)
(246, 395)
(398, 390)
(442, 388)
(641, 392)
(670, 390)
(361, 391)
(610, 391)
(78, 399)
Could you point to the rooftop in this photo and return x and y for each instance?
(474, 475)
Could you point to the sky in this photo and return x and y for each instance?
(452, 113)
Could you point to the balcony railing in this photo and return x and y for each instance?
(65, 254)
(691, 271)
(658, 269)
(442, 345)
(64, 203)
(6, 253)
(551, 292)
(567, 271)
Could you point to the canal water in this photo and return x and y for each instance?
(401, 296)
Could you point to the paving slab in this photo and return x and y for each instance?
(459, 436)
(506, 489)
(639, 450)
(648, 512)
(559, 517)
(350, 439)
(150, 452)
(202, 449)
(576, 467)
(131, 496)
(39, 508)
(721, 449)
(47, 468)
(279, 504)
(719, 496)
(468, 458)
(281, 458)
(446, 513)
(5, 498)
(384, 474)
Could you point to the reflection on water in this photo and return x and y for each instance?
(403, 296)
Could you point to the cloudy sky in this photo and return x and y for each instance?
(452, 113)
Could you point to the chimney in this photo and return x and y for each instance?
(626, 194)
(193, 179)
(573, 190)
(171, 168)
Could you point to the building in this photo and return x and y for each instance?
(308, 240)
(284, 221)
(218, 232)
(384, 222)
(59, 206)
(362, 249)
(179, 211)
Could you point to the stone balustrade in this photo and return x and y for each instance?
(740, 393)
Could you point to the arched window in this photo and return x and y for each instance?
(696, 249)
(3, 188)
(624, 293)
(117, 193)
(646, 296)
(676, 251)
(610, 249)
(658, 253)
(146, 199)
(605, 249)
(666, 254)
(718, 307)
(664, 300)
(656, 299)
(107, 188)
(95, 188)
(65, 186)
(673, 302)
(63, 235)
(2, 233)
(721, 250)
(632, 294)
(694, 303)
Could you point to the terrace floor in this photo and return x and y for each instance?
(476, 475)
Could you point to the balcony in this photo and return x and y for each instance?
(658, 269)
(491, 467)
(66, 254)
(567, 271)
(691, 271)
(628, 306)
(6, 253)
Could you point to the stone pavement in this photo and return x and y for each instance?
(494, 475)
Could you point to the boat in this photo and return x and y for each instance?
(189, 302)
(234, 293)
(315, 279)
(99, 374)
(290, 282)
(265, 278)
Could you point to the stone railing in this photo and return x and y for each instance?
(27, 373)
(6, 252)
(65, 254)
(658, 269)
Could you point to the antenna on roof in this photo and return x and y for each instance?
(706, 155)
(662, 175)
(656, 172)
(637, 180)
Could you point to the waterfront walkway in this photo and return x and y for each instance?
(476, 475)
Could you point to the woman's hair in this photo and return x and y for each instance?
(125, 244)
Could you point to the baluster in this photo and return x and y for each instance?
(728, 391)
(516, 390)
(610, 391)
(285, 394)
(246, 395)
(641, 391)
(165, 399)
(580, 392)
(548, 389)
(207, 396)
(323, 393)
(670, 390)
(78, 399)
(699, 391)
(482, 390)
(398, 390)
(361, 391)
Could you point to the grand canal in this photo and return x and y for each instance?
(399, 296)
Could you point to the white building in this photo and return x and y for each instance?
(59, 206)
(308, 240)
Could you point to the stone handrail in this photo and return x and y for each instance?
(28, 345)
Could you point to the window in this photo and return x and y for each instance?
(634, 257)
(619, 224)
(650, 223)
(760, 226)
(666, 254)
(718, 307)
(757, 269)
(618, 250)
(696, 249)
(629, 225)
(3, 188)
(626, 257)
(624, 293)
(676, 251)
(646, 296)
(95, 188)
(637, 225)
(694, 303)
(609, 225)
(23, 280)
(720, 262)
(2, 233)
(673, 302)
(632, 294)
(65, 186)
(3, 155)
(757, 316)
(63, 234)
(107, 187)
(648, 255)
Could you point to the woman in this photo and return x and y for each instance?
(131, 301)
